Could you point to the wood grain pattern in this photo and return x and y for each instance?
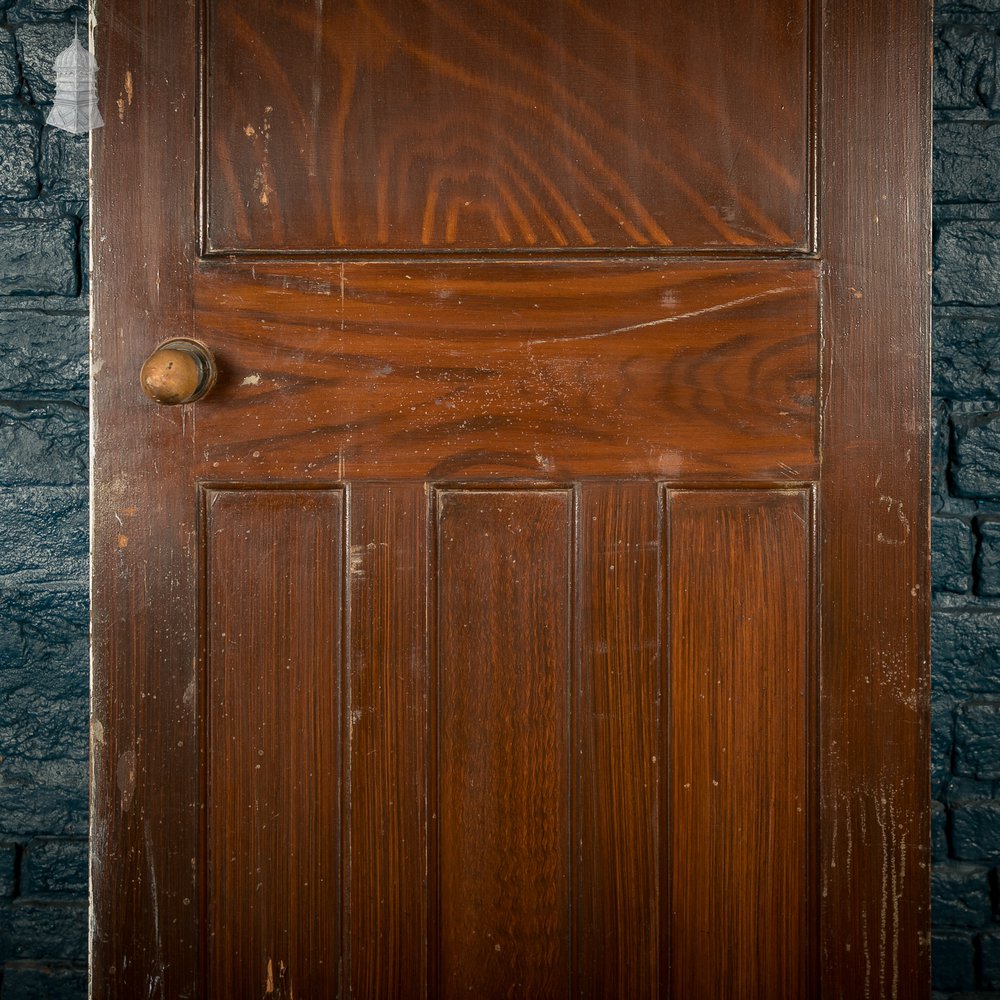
(548, 367)
(274, 599)
(504, 702)
(387, 739)
(739, 611)
(619, 877)
(145, 758)
(536, 369)
(874, 503)
(445, 124)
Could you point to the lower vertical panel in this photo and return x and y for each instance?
(618, 926)
(387, 739)
(274, 567)
(738, 610)
(503, 567)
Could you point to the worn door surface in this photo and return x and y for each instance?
(536, 605)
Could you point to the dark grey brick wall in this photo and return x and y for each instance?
(43, 459)
(966, 501)
(43, 510)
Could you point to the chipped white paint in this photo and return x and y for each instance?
(253, 379)
(878, 918)
(126, 778)
(262, 177)
(341, 296)
(357, 560)
(893, 872)
(895, 507)
(850, 850)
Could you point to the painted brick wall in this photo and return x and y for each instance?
(966, 502)
(43, 513)
(43, 459)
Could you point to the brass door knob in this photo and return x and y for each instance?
(178, 371)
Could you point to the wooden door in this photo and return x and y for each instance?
(537, 604)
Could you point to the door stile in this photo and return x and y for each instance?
(144, 757)
(874, 500)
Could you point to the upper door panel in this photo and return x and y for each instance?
(484, 125)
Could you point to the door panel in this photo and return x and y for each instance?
(539, 368)
(506, 124)
(739, 585)
(271, 732)
(503, 694)
(553, 714)
(568, 450)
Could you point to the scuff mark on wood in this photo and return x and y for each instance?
(263, 177)
(154, 891)
(663, 320)
(125, 96)
(126, 778)
(895, 506)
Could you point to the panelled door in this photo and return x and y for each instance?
(535, 604)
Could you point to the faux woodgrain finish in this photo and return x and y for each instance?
(535, 369)
(445, 124)
(422, 364)
(874, 530)
(387, 737)
(145, 703)
(273, 625)
(620, 878)
(738, 610)
(504, 704)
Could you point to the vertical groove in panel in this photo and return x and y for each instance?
(618, 922)
(273, 607)
(740, 592)
(504, 562)
(387, 741)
